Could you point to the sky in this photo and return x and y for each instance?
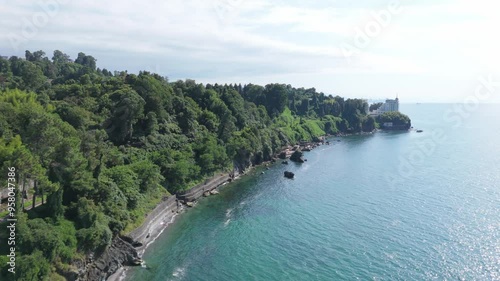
(423, 51)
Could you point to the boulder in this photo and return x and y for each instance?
(285, 162)
(297, 157)
(282, 155)
(136, 244)
(136, 262)
(206, 193)
(289, 175)
(190, 204)
(214, 192)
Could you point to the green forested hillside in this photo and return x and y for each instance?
(96, 150)
(397, 120)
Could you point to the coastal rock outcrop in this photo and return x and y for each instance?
(289, 175)
(297, 156)
(118, 254)
(123, 250)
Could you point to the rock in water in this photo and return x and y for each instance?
(289, 175)
(206, 193)
(297, 157)
(136, 262)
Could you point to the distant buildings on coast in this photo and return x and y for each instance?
(389, 106)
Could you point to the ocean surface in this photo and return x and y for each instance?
(386, 206)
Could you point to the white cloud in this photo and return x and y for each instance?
(217, 39)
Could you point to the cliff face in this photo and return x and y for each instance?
(396, 127)
(120, 253)
(127, 249)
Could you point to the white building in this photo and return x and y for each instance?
(388, 106)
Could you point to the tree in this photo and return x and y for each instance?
(126, 109)
(87, 61)
(60, 57)
(236, 104)
(369, 124)
(209, 120)
(375, 106)
(276, 98)
(31, 75)
(128, 182)
(32, 267)
(156, 93)
(209, 155)
(398, 120)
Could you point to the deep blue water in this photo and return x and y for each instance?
(387, 206)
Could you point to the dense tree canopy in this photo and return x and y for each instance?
(396, 120)
(96, 150)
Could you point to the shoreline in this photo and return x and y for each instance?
(121, 273)
(157, 227)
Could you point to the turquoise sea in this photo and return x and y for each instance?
(387, 206)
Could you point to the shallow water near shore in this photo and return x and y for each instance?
(387, 206)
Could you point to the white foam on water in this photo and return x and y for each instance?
(179, 272)
(159, 233)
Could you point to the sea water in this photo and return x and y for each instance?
(385, 206)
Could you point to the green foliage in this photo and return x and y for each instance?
(368, 124)
(32, 267)
(93, 231)
(209, 155)
(104, 148)
(276, 98)
(95, 237)
(127, 181)
(314, 128)
(354, 112)
(127, 108)
(55, 239)
(375, 106)
(398, 120)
